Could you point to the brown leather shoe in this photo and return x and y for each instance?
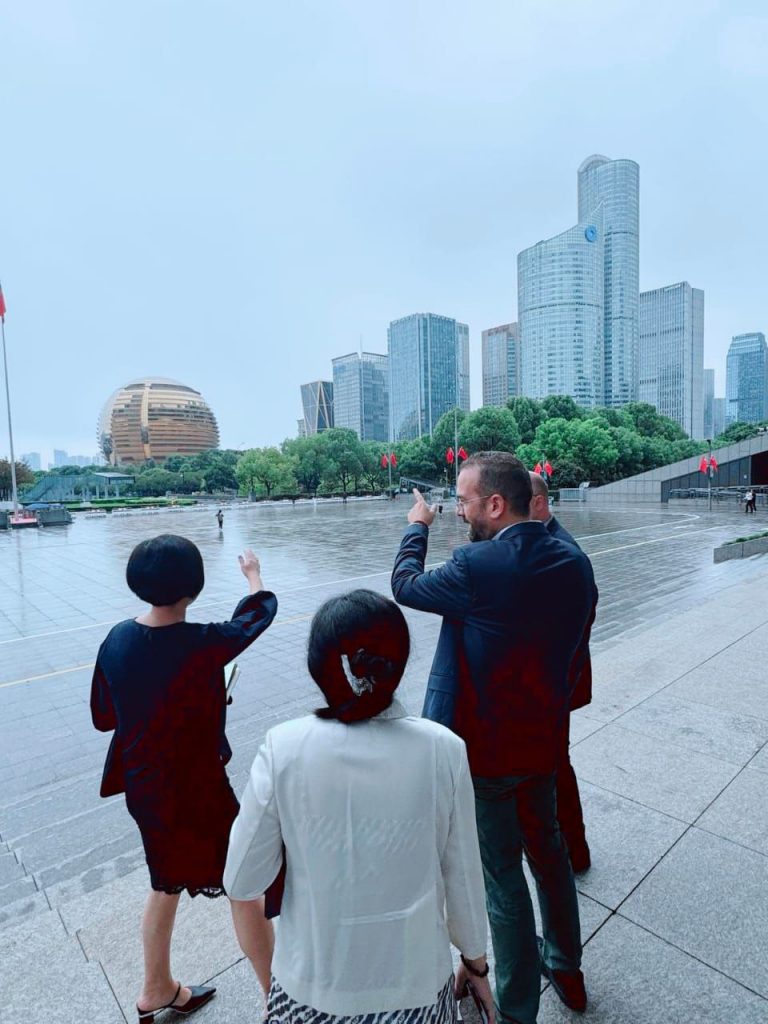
(569, 985)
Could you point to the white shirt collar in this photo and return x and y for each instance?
(513, 525)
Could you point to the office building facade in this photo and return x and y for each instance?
(746, 379)
(672, 354)
(609, 190)
(317, 405)
(501, 364)
(361, 394)
(560, 315)
(709, 402)
(428, 372)
(32, 459)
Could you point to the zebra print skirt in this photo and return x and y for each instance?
(281, 1009)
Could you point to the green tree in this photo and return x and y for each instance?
(650, 423)
(561, 407)
(567, 473)
(629, 445)
(529, 415)
(344, 453)
(267, 468)
(739, 432)
(308, 459)
(552, 440)
(416, 460)
(592, 446)
(490, 429)
(24, 476)
(443, 438)
(374, 477)
(156, 482)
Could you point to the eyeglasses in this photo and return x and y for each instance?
(461, 502)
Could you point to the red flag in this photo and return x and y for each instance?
(548, 468)
(384, 461)
(462, 454)
(537, 468)
(703, 464)
(2, 304)
(449, 456)
(713, 464)
(393, 459)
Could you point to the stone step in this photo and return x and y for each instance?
(19, 889)
(10, 869)
(43, 809)
(62, 986)
(26, 907)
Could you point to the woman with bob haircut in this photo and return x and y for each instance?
(371, 813)
(159, 684)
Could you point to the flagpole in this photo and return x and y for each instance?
(709, 474)
(10, 428)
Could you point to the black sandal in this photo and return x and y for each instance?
(200, 995)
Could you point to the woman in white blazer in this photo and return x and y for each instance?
(373, 811)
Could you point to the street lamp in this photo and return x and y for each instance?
(709, 473)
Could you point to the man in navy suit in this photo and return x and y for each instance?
(569, 813)
(515, 603)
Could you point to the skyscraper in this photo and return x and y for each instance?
(361, 395)
(32, 459)
(317, 403)
(501, 364)
(560, 314)
(709, 403)
(746, 379)
(428, 372)
(612, 187)
(672, 354)
(718, 417)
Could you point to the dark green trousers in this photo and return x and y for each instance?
(516, 813)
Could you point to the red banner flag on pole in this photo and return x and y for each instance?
(2, 304)
(537, 468)
(384, 461)
(393, 459)
(450, 457)
(462, 454)
(703, 464)
(548, 468)
(713, 464)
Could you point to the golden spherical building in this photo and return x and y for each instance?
(153, 418)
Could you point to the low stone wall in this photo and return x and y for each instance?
(741, 549)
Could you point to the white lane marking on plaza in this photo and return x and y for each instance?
(634, 529)
(644, 543)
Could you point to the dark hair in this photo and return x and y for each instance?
(504, 474)
(372, 633)
(164, 569)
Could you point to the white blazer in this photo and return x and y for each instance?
(382, 855)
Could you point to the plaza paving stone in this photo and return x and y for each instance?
(672, 754)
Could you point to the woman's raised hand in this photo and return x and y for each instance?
(251, 569)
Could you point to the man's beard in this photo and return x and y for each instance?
(478, 532)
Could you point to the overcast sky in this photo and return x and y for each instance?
(233, 192)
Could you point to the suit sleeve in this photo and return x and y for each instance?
(102, 709)
(446, 590)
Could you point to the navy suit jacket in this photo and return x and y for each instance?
(581, 669)
(514, 612)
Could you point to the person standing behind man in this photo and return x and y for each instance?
(220, 519)
(570, 816)
(515, 604)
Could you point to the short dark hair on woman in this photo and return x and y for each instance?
(164, 569)
(372, 633)
(503, 473)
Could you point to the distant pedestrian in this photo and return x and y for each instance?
(749, 501)
(220, 519)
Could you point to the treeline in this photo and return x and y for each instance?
(598, 445)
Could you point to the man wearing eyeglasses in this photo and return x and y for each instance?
(515, 603)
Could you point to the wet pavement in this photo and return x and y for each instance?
(71, 864)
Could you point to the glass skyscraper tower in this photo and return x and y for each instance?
(428, 372)
(672, 354)
(361, 395)
(560, 314)
(317, 403)
(501, 364)
(613, 188)
(746, 379)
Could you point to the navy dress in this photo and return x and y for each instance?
(161, 688)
